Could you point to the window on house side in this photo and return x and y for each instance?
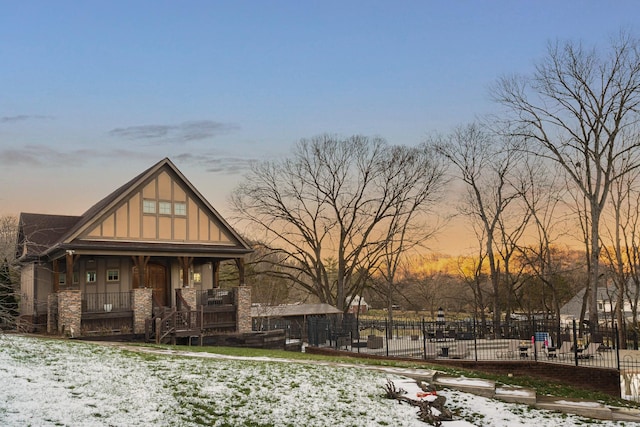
(62, 278)
(180, 209)
(149, 206)
(91, 277)
(165, 208)
(113, 275)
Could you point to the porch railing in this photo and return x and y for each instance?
(216, 297)
(106, 302)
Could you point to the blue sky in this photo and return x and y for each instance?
(95, 92)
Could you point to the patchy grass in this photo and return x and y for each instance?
(66, 382)
(541, 386)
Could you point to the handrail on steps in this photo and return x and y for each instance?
(187, 320)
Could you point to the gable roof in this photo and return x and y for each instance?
(573, 307)
(38, 232)
(42, 234)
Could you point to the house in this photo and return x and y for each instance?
(606, 303)
(151, 248)
(358, 305)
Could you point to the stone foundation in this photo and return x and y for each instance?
(243, 307)
(52, 310)
(69, 312)
(190, 295)
(142, 306)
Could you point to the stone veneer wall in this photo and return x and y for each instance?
(243, 307)
(52, 309)
(190, 295)
(142, 306)
(70, 312)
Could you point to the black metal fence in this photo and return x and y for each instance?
(545, 340)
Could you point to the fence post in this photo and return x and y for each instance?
(357, 330)
(424, 340)
(386, 334)
(575, 343)
(535, 339)
(475, 339)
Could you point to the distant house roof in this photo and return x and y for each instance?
(358, 301)
(290, 310)
(573, 307)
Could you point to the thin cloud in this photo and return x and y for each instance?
(180, 133)
(44, 156)
(215, 163)
(23, 117)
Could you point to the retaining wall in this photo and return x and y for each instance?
(605, 380)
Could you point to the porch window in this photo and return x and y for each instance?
(113, 275)
(165, 208)
(180, 208)
(197, 277)
(91, 277)
(62, 278)
(149, 206)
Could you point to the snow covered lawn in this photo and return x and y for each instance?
(69, 383)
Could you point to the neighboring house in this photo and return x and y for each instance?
(152, 246)
(358, 305)
(290, 317)
(606, 302)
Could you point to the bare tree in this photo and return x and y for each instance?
(577, 105)
(470, 270)
(335, 199)
(632, 245)
(542, 194)
(617, 240)
(9, 289)
(8, 236)
(407, 229)
(484, 165)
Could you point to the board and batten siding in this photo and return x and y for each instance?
(35, 284)
(127, 221)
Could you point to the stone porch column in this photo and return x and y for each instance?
(52, 309)
(70, 312)
(190, 295)
(142, 306)
(243, 309)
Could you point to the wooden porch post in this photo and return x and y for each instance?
(240, 264)
(140, 262)
(56, 276)
(215, 266)
(185, 264)
(71, 260)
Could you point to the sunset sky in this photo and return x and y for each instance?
(93, 93)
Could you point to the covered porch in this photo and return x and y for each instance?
(159, 297)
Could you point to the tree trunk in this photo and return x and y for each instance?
(594, 274)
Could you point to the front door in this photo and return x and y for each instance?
(155, 277)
